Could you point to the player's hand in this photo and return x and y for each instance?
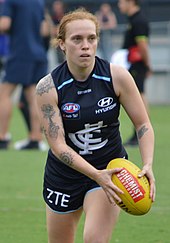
(148, 172)
(104, 180)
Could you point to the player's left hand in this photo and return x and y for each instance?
(148, 172)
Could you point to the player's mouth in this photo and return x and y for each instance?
(85, 55)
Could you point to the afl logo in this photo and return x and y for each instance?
(70, 108)
(105, 102)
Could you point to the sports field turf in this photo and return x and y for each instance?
(22, 214)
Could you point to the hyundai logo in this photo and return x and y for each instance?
(105, 102)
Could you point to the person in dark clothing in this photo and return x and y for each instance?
(136, 41)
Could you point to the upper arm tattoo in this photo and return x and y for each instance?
(142, 131)
(44, 86)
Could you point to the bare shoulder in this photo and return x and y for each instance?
(45, 85)
(121, 78)
(119, 72)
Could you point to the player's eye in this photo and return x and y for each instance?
(92, 38)
(77, 39)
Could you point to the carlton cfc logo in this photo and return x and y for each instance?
(70, 108)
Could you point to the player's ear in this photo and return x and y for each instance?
(62, 46)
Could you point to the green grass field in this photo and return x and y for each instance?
(22, 210)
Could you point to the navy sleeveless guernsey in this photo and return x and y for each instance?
(90, 111)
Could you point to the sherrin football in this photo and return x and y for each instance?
(135, 199)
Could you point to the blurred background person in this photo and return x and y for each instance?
(26, 64)
(46, 31)
(58, 11)
(136, 41)
(4, 45)
(108, 22)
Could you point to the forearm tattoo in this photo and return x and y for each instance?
(44, 86)
(66, 158)
(48, 113)
(142, 131)
(44, 131)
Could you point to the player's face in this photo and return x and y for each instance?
(80, 43)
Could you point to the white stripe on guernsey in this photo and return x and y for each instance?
(101, 77)
(94, 76)
(64, 83)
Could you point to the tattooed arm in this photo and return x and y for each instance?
(131, 100)
(52, 126)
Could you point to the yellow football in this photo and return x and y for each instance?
(135, 199)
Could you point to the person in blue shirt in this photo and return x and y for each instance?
(26, 64)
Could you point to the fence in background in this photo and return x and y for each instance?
(158, 86)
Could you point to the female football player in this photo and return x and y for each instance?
(79, 104)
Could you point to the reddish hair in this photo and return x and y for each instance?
(78, 14)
